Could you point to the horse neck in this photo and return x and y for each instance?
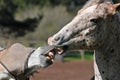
(107, 58)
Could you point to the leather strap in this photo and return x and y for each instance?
(8, 70)
(26, 64)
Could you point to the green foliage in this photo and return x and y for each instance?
(7, 9)
(19, 3)
(87, 56)
(76, 55)
(37, 2)
(24, 3)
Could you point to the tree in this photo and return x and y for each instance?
(8, 24)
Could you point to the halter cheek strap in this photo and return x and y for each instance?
(26, 70)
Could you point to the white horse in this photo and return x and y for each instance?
(95, 27)
(19, 62)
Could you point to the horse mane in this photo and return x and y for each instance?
(90, 3)
(93, 2)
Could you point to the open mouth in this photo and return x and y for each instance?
(48, 54)
(62, 49)
(57, 50)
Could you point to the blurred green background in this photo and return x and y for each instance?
(31, 22)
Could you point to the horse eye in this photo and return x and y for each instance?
(94, 20)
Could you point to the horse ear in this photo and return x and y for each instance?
(116, 6)
(113, 8)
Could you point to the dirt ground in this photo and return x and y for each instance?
(72, 70)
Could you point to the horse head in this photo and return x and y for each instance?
(89, 29)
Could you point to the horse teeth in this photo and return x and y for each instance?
(52, 60)
(50, 54)
(60, 50)
(48, 57)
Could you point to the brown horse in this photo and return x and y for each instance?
(19, 62)
(95, 27)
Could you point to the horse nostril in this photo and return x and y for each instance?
(57, 38)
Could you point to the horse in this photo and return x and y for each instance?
(18, 62)
(95, 27)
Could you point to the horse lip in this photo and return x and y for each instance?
(45, 59)
(62, 49)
